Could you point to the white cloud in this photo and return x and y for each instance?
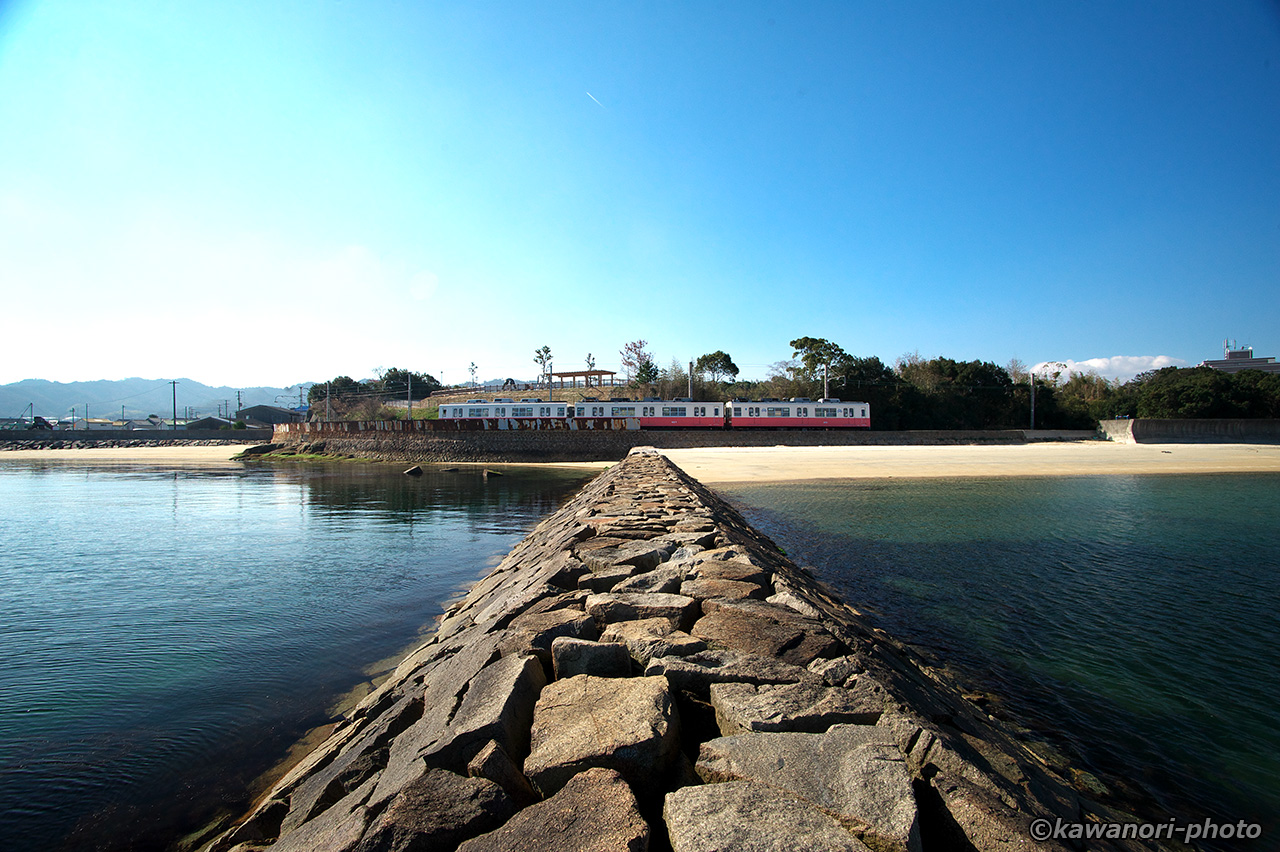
(1122, 367)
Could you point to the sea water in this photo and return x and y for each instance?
(1133, 622)
(166, 635)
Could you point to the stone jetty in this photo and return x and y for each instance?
(646, 671)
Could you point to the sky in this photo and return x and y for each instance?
(267, 193)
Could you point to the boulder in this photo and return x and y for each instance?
(696, 672)
(595, 811)
(756, 627)
(494, 764)
(608, 608)
(809, 707)
(664, 580)
(716, 588)
(533, 633)
(746, 816)
(437, 811)
(638, 554)
(652, 637)
(626, 724)
(853, 772)
(601, 659)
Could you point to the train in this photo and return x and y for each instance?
(678, 413)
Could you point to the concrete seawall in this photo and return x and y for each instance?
(646, 671)
(404, 441)
(1224, 431)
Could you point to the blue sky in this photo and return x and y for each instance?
(250, 193)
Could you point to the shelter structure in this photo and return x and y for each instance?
(590, 378)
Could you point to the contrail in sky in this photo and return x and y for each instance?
(593, 97)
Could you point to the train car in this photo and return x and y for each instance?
(535, 411)
(799, 413)
(679, 413)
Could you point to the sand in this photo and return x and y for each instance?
(787, 464)
(177, 456)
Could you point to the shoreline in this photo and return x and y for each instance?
(715, 466)
(723, 465)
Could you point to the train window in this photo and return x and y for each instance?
(522, 411)
(824, 412)
(597, 411)
(500, 411)
(560, 411)
(777, 412)
(477, 412)
(624, 411)
(864, 413)
(674, 411)
(715, 412)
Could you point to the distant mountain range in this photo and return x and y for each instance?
(138, 397)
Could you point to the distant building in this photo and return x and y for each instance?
(209, 423)
(1241, 358)
(270, 415)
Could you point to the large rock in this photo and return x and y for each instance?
(664, 580)
(601, 659)
(681, 611)
(533, 633)
(626, 724)
(497, 704)
(717, 588)
(854, 772)
(756, 627)
(494, 764)
(438, 811)
(745, 816)
(595, 811)
(809, 707)
(696, 672)
(652, 637)
(638, 554)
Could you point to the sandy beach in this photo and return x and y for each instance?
(163, 456)
(781, 464)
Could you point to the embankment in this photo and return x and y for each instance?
(646, 671)
(1223, 431)
(415, 441)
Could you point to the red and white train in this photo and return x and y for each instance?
(680, 413)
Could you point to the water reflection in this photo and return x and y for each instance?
(169, 633)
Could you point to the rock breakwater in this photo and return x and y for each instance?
(646, 671)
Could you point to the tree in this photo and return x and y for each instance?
(542, 357)
(472, 370)
(341, 387)
(634, 355)
(647, 373)
(591, 361)
(395, 383)
(717, 364)
(814, 352)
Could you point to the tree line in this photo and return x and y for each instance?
(912, 393)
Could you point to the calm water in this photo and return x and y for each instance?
(166, 636)
(1134, 621)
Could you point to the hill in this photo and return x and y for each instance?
(138, 397)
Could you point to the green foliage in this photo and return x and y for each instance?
(716, 365)
(647, 372)
(813, 352)
(395, 383)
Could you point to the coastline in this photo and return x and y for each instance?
(783, 463)
(714, 466)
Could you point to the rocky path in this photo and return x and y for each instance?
(646, 671)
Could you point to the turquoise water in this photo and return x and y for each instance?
(167, 635)
(1132, 621)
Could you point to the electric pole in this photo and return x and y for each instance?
(409, 394)
(690, 380)
(174, 425)
(1033, 401)
(825, 393)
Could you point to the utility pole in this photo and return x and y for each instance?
(1033, 401)
(409, 394)
(328, 386)
(86, 417)
(825, 393)
(551, 391)
(238, 404)
(174, 425)
(690, 380)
